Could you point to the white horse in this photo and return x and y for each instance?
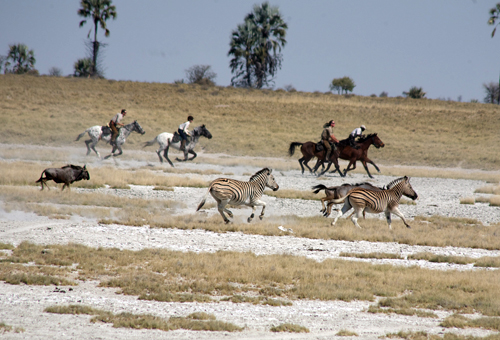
(98, 132)
(166, 140)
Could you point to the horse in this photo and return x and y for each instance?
(352, 155)
(166, 140)
(335, 195)
(308, 150)
(98, 132)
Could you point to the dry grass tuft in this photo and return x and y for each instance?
(468, 200)
(290, 328)
(402, 311)
(372, 255)
(441, 258)
(460, 321)
(194, 322)
(4, 328)
(345, 332)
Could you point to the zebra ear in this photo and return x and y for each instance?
(270, 170)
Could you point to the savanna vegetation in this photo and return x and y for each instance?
(249, 122)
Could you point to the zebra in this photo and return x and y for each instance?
(387, 200)
(230, 191)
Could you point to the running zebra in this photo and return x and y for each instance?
(229, 191)
(374, 202)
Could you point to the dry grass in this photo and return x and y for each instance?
(372, 255)
(442, 258)
(490, 189)
(155, 274)
(402, 311)
(447, 336)
(468, 200)
(4, 328)
(460, 321)
(345, 332)
(441, 133)
(26, 173)
(289, 328)
(194, 322)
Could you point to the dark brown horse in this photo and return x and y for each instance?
(352, 155)
(308, 150)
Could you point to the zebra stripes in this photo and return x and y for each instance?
(387, 200)
(230, 191)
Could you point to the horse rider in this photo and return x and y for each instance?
(114, 123)
(357, 132)
(184, 132)
(328, 137)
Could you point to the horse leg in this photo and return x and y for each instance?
(87, 142)
(366, 168)
(158, 152)
(368, 160)
(194, 155)
(165, 154)
(352, 164)
(120, 151)
(112, 151)
(327, 168)
(337, 167)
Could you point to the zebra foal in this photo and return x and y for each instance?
(387, 201)
(230, 191)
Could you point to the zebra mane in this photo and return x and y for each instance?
(258, 173)
(362, 139)
(394, 182)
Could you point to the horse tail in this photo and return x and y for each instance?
(204, 198)
(293, 145)
(319, 187)
(82, 134)
(151, 142)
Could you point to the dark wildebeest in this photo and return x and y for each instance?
(334, 195)
(67, 175)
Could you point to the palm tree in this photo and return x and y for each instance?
(241, 44)
(83, 67)
(21, 58)
(99, 11)
(256, 46)
(494, 16)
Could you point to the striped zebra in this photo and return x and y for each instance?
(230, 191)
(374, 202)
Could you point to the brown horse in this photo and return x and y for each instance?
(308, 150)
(352, 155)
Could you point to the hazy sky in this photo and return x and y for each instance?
(443, 46)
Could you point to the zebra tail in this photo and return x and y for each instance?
(81, 135)
(293, 145)
(319, 187)
(204, 198)
(151, 142)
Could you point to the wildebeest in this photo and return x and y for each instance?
(67, 174)
(335, 195)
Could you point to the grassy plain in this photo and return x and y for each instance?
(53, 111)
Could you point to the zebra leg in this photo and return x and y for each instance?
(221, 207)
(396, 212)
(347, 206)
(252, 215)
(388, 218)
(357, 214)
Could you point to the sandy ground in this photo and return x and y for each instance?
(22, 306)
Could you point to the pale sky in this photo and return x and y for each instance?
(443, 46)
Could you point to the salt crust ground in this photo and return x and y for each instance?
(22, 306)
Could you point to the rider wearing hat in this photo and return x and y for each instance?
(328, 137)
(357, 132)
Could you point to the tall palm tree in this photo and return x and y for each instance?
(100, 11)
(21, 58)
(242, 41)
(270, 30)
(256, 45)
(494, 16)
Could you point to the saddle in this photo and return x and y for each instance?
(106, 130)
(176, 138)
(321, 147)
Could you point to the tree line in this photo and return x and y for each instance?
(255, 47)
